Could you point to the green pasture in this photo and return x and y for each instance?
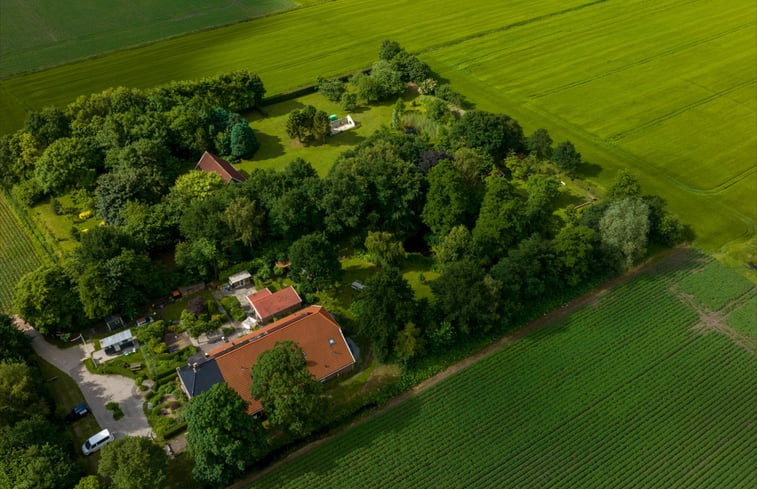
(612, 395)
(287, 50)
(37, 34)
(665, 89)
(19, 254)
(277, 149)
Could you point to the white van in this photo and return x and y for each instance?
(96, 442)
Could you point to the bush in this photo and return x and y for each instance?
(116, 409)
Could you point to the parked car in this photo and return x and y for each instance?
(96, 442)
(143, 321)
(77, 413)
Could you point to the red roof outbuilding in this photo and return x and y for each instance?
(212, 163)
(267, 305)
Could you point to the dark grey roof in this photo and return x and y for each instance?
(200, 378)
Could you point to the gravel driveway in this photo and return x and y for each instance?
(98, 390)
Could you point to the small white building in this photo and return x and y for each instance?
(341, 125)
(240, 279)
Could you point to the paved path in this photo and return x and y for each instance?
(98, 390)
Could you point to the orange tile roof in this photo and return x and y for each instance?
(212, 163)
(319, 336)
(269, 305)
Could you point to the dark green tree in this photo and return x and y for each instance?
(449, 200)
(399, 109)
(539, 144)
(47, 125)
(348, 102)
(466, 297)
(383, 308)
(44, 299)
(389, 49)
(221, 437)
(455, 246)
(38, 466)
(246, 219)
(286, 388)
(244, 144)
(89, 482)
(494, 134)
(624, 186)
(566, 157)
(65, 163)
(321, 126)
(133, 462)
(20, 393)
(331, 89)
(315, 262)
(574, 250)
(15, 346)
(500, 220)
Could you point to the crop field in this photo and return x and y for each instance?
(613, 395)
(667, 89)
(36, 34)
(18, 254)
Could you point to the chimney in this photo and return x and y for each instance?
(194, 367)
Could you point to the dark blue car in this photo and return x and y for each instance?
(77, 413)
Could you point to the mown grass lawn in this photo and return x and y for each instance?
(277, 149)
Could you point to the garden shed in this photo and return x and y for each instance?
(118, 342)
(240, 279)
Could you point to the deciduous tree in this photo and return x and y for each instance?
(285, 387)
(624, 230)
(315, 262)
(133, 462)
(566, 157)
(222, 438)
(44, 299)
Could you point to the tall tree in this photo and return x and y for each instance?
(285, 387)
(133, 462)
(455, 246)
(20, 393)
(494, 134)
(67, 162)
(221, 437)
(574, 249)
(566, 157)
(466, 297)
(449, 201)
(44, 299)
(383, 308)
(500, 220)
(15, 346)
(539, 144)
(246, 219)
(315, 262)
(624, 230)
(624, 186)
(244, 144)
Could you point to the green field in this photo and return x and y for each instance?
(36, 34)
(614, 395)
(19, 254)
(666, 89)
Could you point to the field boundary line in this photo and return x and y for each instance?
(548, 320)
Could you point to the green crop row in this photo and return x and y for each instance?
(621, 393)
(18, 254)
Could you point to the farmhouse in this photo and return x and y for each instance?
(313, 328)
(212, 163)
(268, 305)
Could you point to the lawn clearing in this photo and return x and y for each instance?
(613, 394)
(277, 149)
(36, 34)
(19, 254)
